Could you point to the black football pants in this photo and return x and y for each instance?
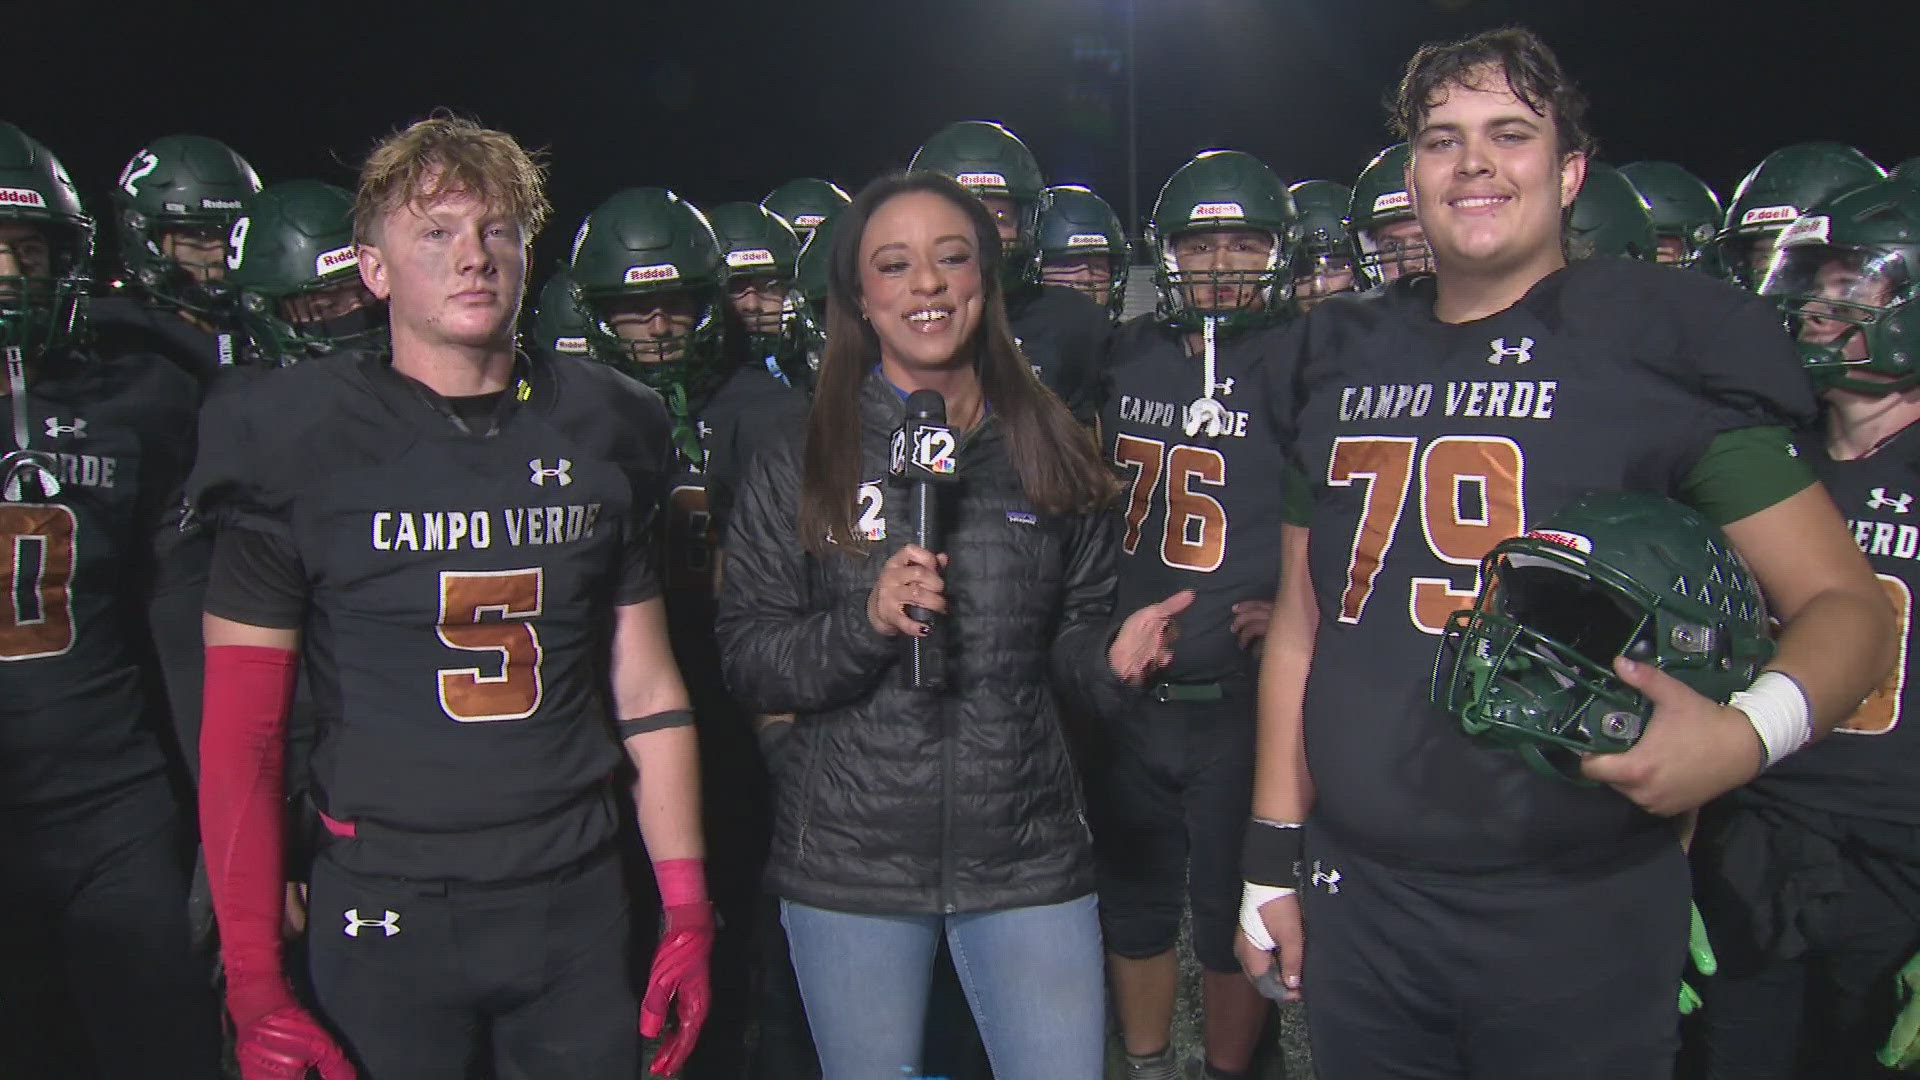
(1823, 1012)
(98, 977)
(1423, 976)
(420, 979)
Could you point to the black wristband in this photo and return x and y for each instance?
(1271, 854)
(671, 718)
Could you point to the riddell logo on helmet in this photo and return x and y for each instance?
(640, 275)
(1807, 230)
(1392, 200)
(1080, 240)
(18, 196)
(808, 221)
(1769, 215)
(1216, 210)
(749, 257)
(337, 259)
(981, 179)
(219, 204)
(1565, 539)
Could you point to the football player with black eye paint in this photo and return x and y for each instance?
(1461, 906)
(1809, 877)
(1064, 335)
(175, 204)
(1182, 422)
(98, 977)
(459, 541)
(657, 290)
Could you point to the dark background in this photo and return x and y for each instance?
(722, 100)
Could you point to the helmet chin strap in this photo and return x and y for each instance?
(22, 465)
(1206, 412)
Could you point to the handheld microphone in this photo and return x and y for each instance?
(925, 454)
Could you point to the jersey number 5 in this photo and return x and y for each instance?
(1471, 498)
(1194, 536)
(510, 596)
(36, 572)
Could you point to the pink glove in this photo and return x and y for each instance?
(284, 1044)
(679, 973)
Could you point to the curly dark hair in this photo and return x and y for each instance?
(1531, 70)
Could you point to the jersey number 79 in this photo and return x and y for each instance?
(1471, 497)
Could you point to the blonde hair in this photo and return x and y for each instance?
(444, 154)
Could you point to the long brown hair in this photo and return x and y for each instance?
(1057, 459)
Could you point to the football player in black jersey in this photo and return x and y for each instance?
(1463, 910)
(93, 852)
(1181, 423)
(1381, 222)
(175, 205)
(1083, 246)
(1809, 877)
(1064, 334)
(461, 541)
(653, 284)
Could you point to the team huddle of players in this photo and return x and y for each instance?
(720, 310)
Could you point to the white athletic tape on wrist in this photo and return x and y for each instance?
(1778, 710)
(1252, 896)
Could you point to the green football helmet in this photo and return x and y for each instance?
(1222, 189)
(805, 203)
(1615, 573)
(1908, 170)
(1686, 212)
(1848, 275)
(295, 269)
(990, 161)
(42, 309)
(1776, 192)
(1381, 220)
(649, 244)
(1079, 224)
(756, 244)
(559, 328)
(1610, 218)
(180, 184)
(1324, 261)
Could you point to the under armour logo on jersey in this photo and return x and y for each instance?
(702, 429)
(55, 429)
(1225, 387)
(562, 474)
(390, 922)
(1882, 501)
(1328, 879)
(1501, 353)
(1206, 413)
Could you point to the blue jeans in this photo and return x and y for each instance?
(1033, 978)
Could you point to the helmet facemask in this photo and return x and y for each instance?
(1847, 306)
(310, 322)
(43, 301)
(1530, 667)
(678, 363)
(1254, 295)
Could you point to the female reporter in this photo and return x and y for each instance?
(903, 814)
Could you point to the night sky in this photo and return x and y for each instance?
(722, 100)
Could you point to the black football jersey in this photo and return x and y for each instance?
(1202, 500)
(460, 582)
(1869, 766)
(749, 410)
(1425, 444)
(1065, 336)
(76, 569)
(127, 323)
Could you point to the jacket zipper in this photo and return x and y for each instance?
(946, 806)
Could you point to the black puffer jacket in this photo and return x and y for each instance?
(891, 800)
